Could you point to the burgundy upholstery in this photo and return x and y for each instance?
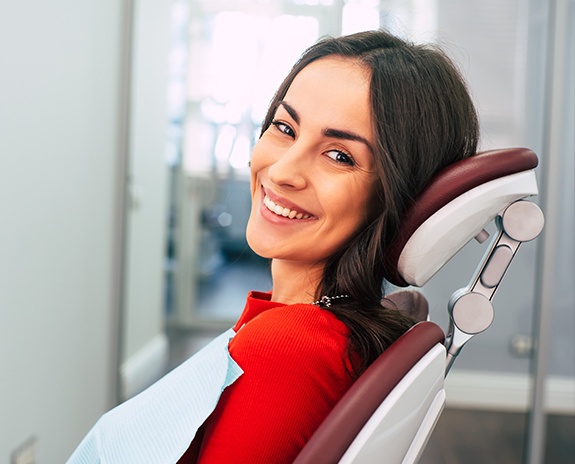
(339, 429)
(450, 183)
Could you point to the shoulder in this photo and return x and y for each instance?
(295, 367)
(293, 334)
(301, 323)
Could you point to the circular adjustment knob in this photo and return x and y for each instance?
(472, 313)
(523, 221)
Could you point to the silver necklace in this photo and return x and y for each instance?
(326, 300)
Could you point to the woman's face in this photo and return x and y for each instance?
(312, 171)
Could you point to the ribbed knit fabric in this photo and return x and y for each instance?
(295, 367)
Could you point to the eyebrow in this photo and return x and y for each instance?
(291, 111)
(328, 132)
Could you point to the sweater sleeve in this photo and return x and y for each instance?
(294, 362)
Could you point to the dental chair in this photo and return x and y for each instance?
(389, 413)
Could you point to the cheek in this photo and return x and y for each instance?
(361, 202)
(261, 152)
(255, 166)
(259, 159)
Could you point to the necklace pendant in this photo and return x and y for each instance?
(325, 300)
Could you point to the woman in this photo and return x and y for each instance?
(355, 131)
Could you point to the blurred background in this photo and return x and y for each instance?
(125, 132)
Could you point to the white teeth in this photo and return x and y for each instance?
(285, 212)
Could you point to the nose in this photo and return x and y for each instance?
(291, 168)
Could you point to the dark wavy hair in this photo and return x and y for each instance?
(423, 119)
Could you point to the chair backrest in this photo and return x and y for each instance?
(345, 422)
(389, 412)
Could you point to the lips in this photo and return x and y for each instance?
(283, 211)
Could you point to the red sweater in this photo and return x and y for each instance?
(295, 369)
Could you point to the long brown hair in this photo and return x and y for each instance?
(423, 119)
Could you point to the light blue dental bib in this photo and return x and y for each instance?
(158, 425)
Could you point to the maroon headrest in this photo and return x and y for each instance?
(448, 184)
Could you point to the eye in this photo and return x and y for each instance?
(340, 157)
(283, 128)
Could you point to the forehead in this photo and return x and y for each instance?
(339, 68)
(336, 89)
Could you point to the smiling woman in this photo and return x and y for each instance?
(358, 127)
(395, 113)
(355, 131)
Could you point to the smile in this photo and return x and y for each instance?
(282, 211)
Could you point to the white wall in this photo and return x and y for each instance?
(60, 117)
(144, 343)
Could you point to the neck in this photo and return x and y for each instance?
(294, 283)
